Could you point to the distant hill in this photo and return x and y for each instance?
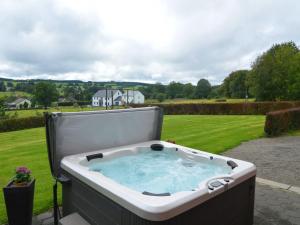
(121, 84)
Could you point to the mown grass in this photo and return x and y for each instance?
(209, 133)
(27, 148)
(212, 133)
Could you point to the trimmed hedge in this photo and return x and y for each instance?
(21, 123)
(249, 108)
(80, 103)
(282, 121)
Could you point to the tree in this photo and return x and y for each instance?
(275, 74)
(216, 92)
(27, 86)
(175, 90)
(9, 84)
(2, 86)
(160, 97)
(158, 88)
(25, 105)
(188, 90)
(89, 91)
(294, 78)
(75, 92)
(45, 93)
(2, 110)
(235, 86)
(203, 89)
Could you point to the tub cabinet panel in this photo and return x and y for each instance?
(232, 207)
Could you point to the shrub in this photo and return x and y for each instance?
(249, 108)
(21, 123)
(80, 103)
(221, 100)
(65, 103)
(278, 122)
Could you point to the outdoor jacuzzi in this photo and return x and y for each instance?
(150, 182)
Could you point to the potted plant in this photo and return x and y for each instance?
(18, 195)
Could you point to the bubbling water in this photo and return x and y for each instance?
(158, 171)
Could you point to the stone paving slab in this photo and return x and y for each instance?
(44, 219)
(276, 206)
(276, 159)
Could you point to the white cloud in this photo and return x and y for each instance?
(134, 40)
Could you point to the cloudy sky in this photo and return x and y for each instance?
(140, 40)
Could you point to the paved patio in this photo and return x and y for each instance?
(276, 159)
(277, 198)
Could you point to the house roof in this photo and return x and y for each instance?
(102, 93)
(119, 98)
(19, 100)
(131, 93)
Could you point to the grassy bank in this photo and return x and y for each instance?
(209, 133)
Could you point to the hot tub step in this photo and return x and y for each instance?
(73, 219)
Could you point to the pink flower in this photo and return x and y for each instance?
(23, 169)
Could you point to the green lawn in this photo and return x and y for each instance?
(212, 133)
(209, 133)
(39, 112)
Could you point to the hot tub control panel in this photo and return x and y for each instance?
(219, 183)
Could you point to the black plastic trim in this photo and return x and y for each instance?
(94, 156)
(47, 119)
(157, 147)
(153, 194)
(232, 164)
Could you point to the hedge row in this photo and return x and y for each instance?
(250, 108)
(7, 109)
(281, 121)
(80, 103)
(21, 123)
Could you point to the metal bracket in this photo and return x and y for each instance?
(63, 179)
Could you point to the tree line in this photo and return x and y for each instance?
(274, 75)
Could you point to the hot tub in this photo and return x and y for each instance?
(147, 182)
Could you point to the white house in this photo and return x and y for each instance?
(133, 97)
(114, 97)
(19, 103)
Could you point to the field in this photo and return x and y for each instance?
(210, 133)
(39, 112)
(13, 93)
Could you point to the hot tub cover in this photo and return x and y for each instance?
(80, 132)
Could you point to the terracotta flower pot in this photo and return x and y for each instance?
(19, 202)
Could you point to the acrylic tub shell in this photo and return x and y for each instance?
(155, 208)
